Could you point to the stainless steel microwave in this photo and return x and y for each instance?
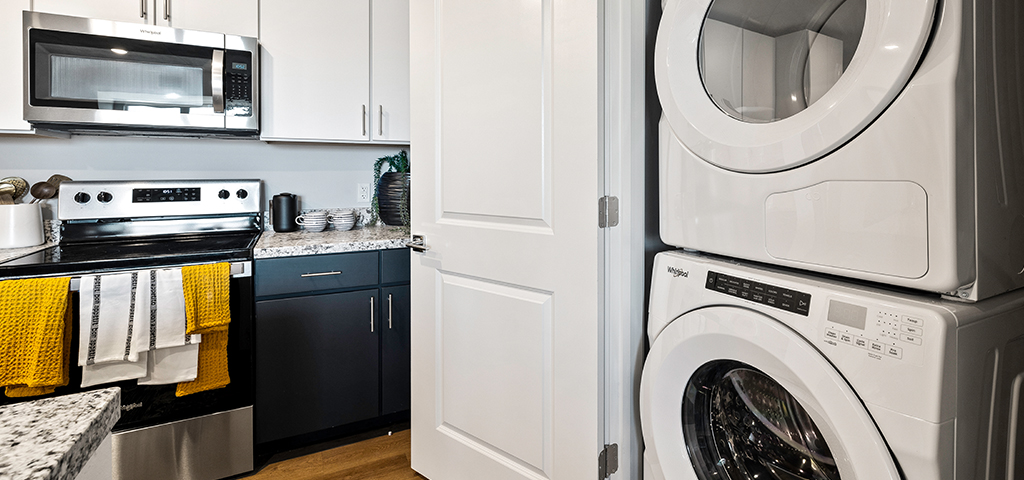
(101, 77)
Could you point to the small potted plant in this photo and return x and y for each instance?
(390, 202)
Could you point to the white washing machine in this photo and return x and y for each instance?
(756, 373)
(874, 139)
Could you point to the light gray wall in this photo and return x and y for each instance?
(322, 175)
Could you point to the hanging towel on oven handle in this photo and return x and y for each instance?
(208, 312)
(35, 335)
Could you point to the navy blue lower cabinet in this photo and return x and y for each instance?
(316, 363)
(395, 348)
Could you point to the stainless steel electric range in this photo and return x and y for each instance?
(121, 226)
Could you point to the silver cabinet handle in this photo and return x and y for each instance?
(364, 120)
(418, 243)
(142, 8)
(371, 314)
(217, 81)
(167, 9)
(319, 274)
(380, 124)
(389, 311)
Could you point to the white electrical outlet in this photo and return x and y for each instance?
(363, 192)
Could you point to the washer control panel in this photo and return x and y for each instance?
(779, 297)
(880, 332)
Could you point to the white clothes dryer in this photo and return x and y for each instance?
(760, 373)
(874, 139)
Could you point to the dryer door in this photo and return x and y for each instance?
(729, 393)
(771, 85)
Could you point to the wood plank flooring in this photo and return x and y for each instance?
(381, 458)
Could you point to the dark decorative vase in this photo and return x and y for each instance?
(393, 197)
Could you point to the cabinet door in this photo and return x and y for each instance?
(12, 101)
(315, 67)
(235, 17)
(316, 363)
(389, 87)
(394, 366)
(137, 11)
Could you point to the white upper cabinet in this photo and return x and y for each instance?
(335, 71)
(389, 86)
(237, 17)
(12, 82)
(234, 17)
(137, 11)
(314, 62)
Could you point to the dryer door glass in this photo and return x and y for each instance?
(768, 60)
(738, 423)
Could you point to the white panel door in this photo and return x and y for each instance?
(505, 160)
(389, 87)
(136, 11)
(234, 17)
(315, 70)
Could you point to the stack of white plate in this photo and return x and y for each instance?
(344, 220)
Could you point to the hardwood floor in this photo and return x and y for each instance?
(385, 457)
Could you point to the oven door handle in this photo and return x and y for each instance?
(238, 270)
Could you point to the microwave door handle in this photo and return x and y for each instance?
(217, 77)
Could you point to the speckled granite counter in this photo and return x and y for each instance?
(273, 244)
(52, 438)
(11, 253)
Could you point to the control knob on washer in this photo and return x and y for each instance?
(104, 197)
(82, 197)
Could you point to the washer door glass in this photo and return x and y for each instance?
(768, 60)
(738, 423)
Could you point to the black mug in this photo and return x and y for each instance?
(283, 210)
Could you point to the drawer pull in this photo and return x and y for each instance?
(320, 274)
(371, 314)
(389, 311)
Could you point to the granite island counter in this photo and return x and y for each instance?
(54, 438)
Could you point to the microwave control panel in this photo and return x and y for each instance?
(238, 83)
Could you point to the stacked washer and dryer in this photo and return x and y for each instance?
(846, 181)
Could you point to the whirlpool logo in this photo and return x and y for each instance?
(678, 272)
(131, 406)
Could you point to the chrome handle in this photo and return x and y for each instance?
(418, 243)
(380, 124)
(167, 9)
(389, 311)
(319, 274)
(142, 8)
(364, 120)
(217, 80)
(371, 314)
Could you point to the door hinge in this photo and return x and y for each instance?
(608, 461)
(607, 212)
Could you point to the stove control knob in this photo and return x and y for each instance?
(82, 197)
(241, 193)
(104, 197)
(224, 194)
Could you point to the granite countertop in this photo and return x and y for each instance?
(291, 244)
(53, 438)
(12, 253)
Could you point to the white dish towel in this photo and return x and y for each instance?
(133, 326)
(111, 327)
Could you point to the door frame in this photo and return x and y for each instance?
(623, 176)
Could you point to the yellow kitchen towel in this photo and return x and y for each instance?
(208, 312)
(35, 335)
(212, 372)
(207, 297)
